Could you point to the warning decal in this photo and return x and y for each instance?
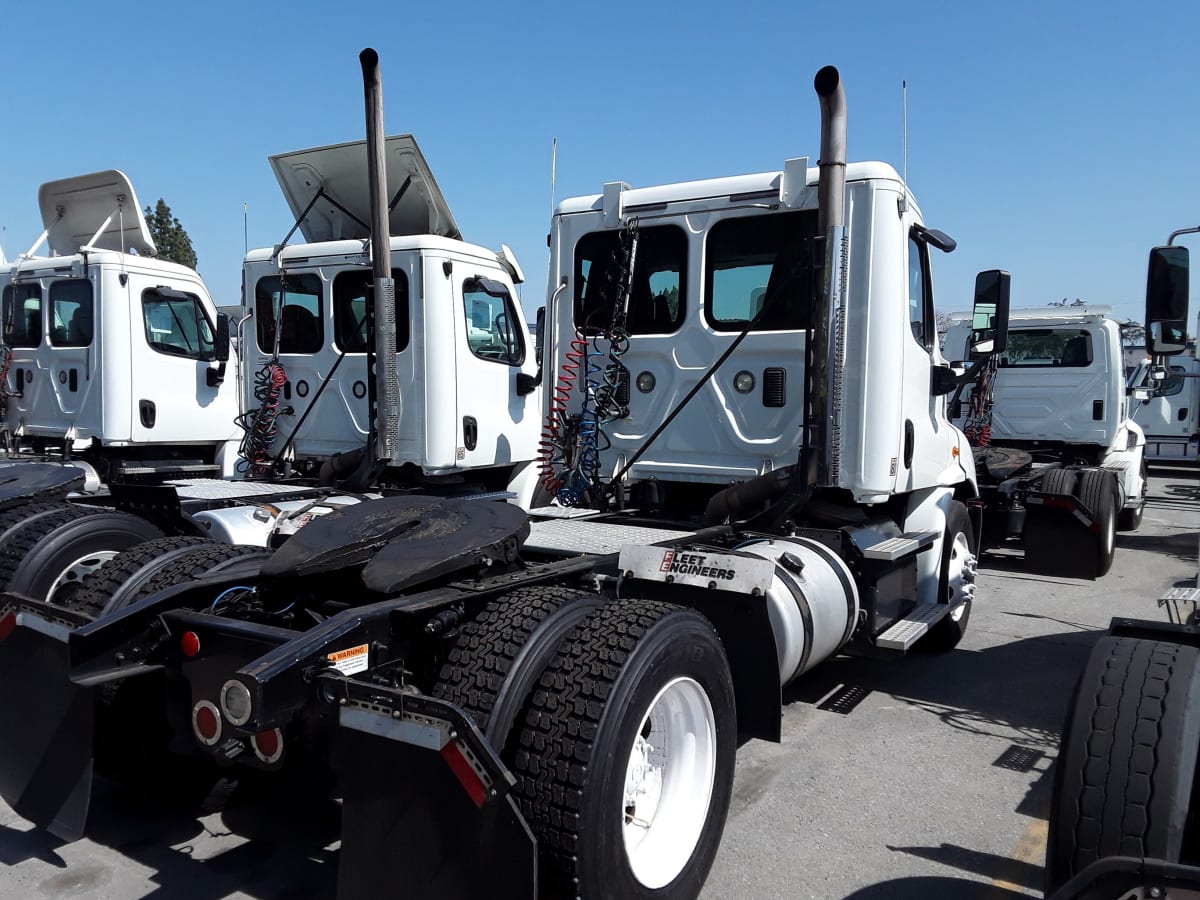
(350, 660)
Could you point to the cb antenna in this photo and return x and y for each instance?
(904, 147)
(553, 165)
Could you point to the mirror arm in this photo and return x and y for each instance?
(526, 384)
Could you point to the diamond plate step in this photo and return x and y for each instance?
(905, 633)
(582, 536)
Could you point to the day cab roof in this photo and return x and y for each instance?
(333, 252)
(782, 185)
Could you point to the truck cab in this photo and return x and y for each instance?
(112, 356)
(464, 361)
(727, 266)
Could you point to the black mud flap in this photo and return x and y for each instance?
(426, 809)
(46, 725)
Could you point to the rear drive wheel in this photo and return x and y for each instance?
(1097, 490)
(497, 657)
(1123, 780)
(128, 570)
(1130, 518)
(625, 762)
(956, 581)
(51, 555)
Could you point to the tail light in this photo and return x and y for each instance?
(268, 745)
(206, 723)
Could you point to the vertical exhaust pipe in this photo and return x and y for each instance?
(826, 337)
(382, 382)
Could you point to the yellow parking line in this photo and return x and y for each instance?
(1030, 849)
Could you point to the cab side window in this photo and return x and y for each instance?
(296, 299)
(175, 324)
(492, 330)
(22, 315)
(920, 297)
(350, 297)
(71, 313)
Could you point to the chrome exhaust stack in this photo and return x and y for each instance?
(383, 383)
(827, 340)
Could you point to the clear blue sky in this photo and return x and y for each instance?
(1057, 140)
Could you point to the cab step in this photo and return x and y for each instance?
(892, 549)
(907, 631)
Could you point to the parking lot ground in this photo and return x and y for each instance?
(928, 776)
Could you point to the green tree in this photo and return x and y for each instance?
(169, 236)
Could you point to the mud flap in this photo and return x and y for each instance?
(45, 726)
(426, 810)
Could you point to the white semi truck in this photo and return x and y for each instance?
(120, 389)
(1061, 462)
(744, 433)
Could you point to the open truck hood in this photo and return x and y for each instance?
(341, 170)
(74, 209)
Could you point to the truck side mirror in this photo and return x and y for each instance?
(1167, 300)
(539, 330)
(989, 316)
(221, 338)
(215, 377)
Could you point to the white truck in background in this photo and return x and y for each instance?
(120, 390)
(1168, 408)
(1061, 462)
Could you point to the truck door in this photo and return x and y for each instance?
(52, 333)
(172, 349)
(497, 426)
(1172, 411)
(926, 441)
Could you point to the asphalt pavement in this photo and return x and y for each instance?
(920, 777)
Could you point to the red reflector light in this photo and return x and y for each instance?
(206, 722)
(190, 644)
(268, 745)
(466, 775)
(8, 622)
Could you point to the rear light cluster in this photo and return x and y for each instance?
(207, 724)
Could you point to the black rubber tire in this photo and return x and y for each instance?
(579, 733)
(36, 556)
(1127, 761)
(126, 570)
(1097, 490)
(949, 631)
(1131, 519)
(500, 654)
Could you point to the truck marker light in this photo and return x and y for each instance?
(236, 702)
(206, 723)
(465, 774)
(190, 644)
(7, 623)
(268, 745)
